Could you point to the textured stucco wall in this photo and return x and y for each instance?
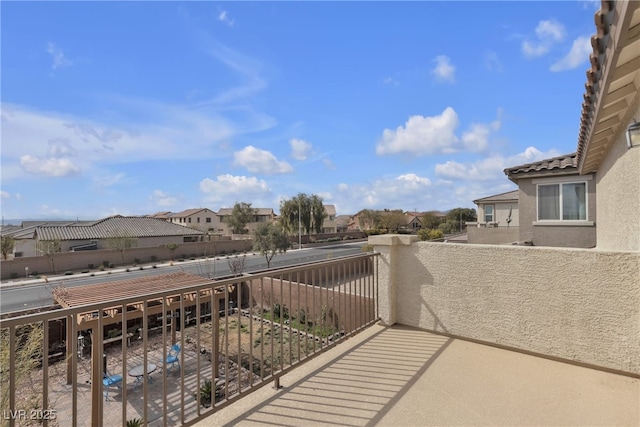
(618, 181)
(575, 304)
(492, 236)
(554, 235)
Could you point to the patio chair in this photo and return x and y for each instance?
(109, 380)
(173, 358)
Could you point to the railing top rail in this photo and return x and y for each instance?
(209, 284)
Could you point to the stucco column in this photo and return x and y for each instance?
(388, 245)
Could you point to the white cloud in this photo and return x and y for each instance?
(443, 70)
(229, 188)
(300, 149)
(55, 167)
(389, 193)
(145, 130)
(224, 17)
(422, 135)
(579, 53)
(160, 198)
(490, 168)
(4, 194)
(477, 138)
(256, 160)
(110, 180)
(548, 32)
(59, 60)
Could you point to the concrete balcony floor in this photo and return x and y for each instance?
(399, 376)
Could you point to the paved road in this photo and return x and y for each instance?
(15, 296)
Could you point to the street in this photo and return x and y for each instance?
(37, 294)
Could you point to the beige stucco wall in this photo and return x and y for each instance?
(576, 304)
(501, 213)
(582, 236)
(618, 196)
(492, 236)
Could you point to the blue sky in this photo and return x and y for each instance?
(135, 108)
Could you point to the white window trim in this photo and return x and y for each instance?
(560, 182)
(493, 213)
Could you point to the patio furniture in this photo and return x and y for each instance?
(172, 357)
(138, 372)
(109, 380)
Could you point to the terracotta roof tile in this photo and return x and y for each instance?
(115, 226)
(510, 195)
(568, 161)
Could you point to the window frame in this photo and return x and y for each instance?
(493, 213)
(560, 184)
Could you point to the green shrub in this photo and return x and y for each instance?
(105, 263)
(154, 258)
(136, 261)
(13, 275)
(367, 248)
(101, 268)
(111, 265)
(90, 266)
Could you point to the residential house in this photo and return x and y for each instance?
(499, 210)
(202, 219)
(557, 203)
(343, 222)
(329, 225)
(498, 220)
(90, 235)
(413, 221)
(262, 215)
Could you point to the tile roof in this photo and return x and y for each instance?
(502, 197)
(611, 85)
(568, 162)
(115, 226)
(189, 212)
(330, 209)
(261, 211)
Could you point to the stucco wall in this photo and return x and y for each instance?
(576, 304)
(80, 260)
(492, 236)
(618, 181)
(500, 213)
(581, 236)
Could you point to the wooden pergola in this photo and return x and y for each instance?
(129, 290)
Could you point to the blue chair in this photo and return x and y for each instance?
(173, 358)
(109, 380)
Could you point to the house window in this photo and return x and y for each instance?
(488, 213)
(563, 202)
(189, 220)
(198, 219)
(208, 219)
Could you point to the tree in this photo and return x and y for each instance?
(392, 220)
(241, 215)
(369, 219)
(458, 216)
(302, 212)
(431, 220)
(49, 248)
(7, 243)
(270, 239)
(172, 247)
(121, 242)
(430, 234)
(318, 214)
